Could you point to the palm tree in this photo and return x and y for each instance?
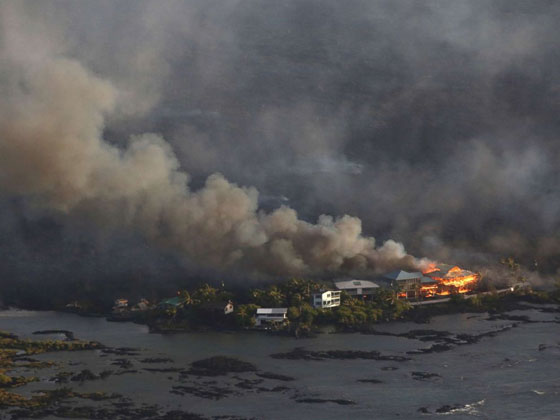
(185, 297)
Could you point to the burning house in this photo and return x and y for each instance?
(437, 280)
(407, 284)
(448, 279)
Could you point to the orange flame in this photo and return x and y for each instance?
(455, 280)
(431, 268)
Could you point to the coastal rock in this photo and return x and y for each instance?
(370, 381)
(322, 401)
(157, 360)
(301, 354)
(276, 376)
(423, 376)
(69, 334)
(122, 363)
(208, 392)
(85, 375)
(444, 409)
(121, 351)
(436, 348)
(164, 370)
(220, 365)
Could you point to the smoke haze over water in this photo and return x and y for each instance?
(434, 124)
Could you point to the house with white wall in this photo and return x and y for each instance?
(326, 299)
(120, 305)
(271, 316)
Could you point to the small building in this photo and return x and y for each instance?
(408, 283)
(228, 309)
(74, 306)
(357, 287)
(271, 316)
(120, 305)
(326, 299)
(142, 305)
(174, 302)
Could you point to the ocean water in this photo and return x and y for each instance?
(514, 374)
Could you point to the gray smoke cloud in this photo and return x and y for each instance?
(435, 123)
(51, 150)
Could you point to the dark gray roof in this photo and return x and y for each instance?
(355, 284)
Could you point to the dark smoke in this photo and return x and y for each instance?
(433, 122)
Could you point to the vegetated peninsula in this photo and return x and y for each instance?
(301, 307)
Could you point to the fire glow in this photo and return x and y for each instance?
(448, 280)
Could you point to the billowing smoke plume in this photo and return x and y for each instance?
(52, 150)
(436, 123)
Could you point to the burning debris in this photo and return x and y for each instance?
(445, 279)
(435, 280)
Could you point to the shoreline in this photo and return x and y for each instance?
(219, 374)
(419, 312)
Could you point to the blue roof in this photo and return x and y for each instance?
(403, 275)
(175, 301)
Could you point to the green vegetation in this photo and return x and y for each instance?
(202, 308)
(48, 397)
(36, 347)
(10, 347)
(245, 315)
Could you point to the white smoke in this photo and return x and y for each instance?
(51, 150)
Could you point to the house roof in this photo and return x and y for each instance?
(279, 311)
(444, 268)
(355, 284)
(321, 292)
(427, 280)
(403, 275)
(174, 301)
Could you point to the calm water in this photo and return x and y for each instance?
(500, 377)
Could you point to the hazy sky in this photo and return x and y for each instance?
(433, 122)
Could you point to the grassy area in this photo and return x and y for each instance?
(13, 348)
